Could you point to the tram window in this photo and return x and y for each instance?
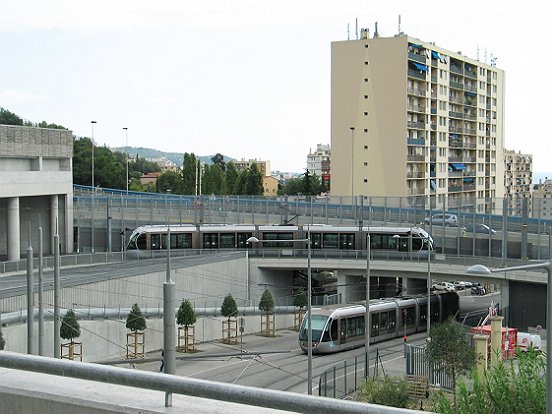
(392, 321)
(227, 241)
(383, 322)
(375, 324)
(316, 240)
(347, 241)
(242, 239)
(409, 315)
(279, 236)
(329, 240)
(155, 241)
(376, 241)
(181, 241)
(416, 244)
(210, 241)
(355, 326)
(333, 330)
(423, 313)
(141, 242)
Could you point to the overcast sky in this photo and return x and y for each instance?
(246, 78)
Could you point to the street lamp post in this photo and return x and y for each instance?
(309, 303)
(428, 247)
(93, 190)
(352, 164)
(367, 326)
(483, 270)
(126, 146)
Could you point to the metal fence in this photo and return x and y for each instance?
(418, 365)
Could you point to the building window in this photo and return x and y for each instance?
(366, 180)
(365, 79)
(365, 163)
(365, 96)
(365, 113)
(366, 130)
(366, 147)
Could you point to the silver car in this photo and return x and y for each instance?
(450, 220)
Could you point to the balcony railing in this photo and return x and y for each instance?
(417, 108)
(417, 91)
(456, 85)
(416, 124)
(416, 57)
(416, 141)
(415, 157)
(415, 174)
(416, 74)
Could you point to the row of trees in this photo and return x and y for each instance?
(219, 178)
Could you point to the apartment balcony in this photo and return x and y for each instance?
(469, 116)
(453, 114)
(416, 125)
(415, 174)
(416, 141)
(415, 157)
(433, 111)
(417, 91)
(469, 187)
(417, 57)
(454, 174)
(456, 99)
(433, 78)
(456, 69)
(416, 74)
(458, 130)
(416, 191)
(417, 108)
(454, 188)
(470, 88)
(456, 85)
(470, 74)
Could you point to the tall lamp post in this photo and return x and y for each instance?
(352, 164)
(126, 146)
(309, 302)
(367, 326)
(93, 190)
(479, 269)
(429, 247)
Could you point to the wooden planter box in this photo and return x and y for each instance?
(186, 339)
(72, 351)
(136, 345)
(230, 331)
(267, 324)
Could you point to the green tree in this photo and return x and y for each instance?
(449, 348)
(2, 341)
(135, 319)
(218, 159)
(229, 307)
(293, 186)
(213, 180)
(239, 184)
(186, 315)
(169, 180)
(254, 181)
(9, 118)
(231, 177)
(189, 174)
(267, 302)
(70, 327)
(44, 124)
(300, 299)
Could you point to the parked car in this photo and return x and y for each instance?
(444, 286)
(459, 284)
(441, 218)
(479, 228)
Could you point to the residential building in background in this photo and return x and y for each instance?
(319, 163)
(542, 199)
(411, 119)
(270, 186)
(518, 178)
(150, 178)
(164, 163)
(262, 166)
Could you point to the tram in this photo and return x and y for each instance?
(149, 238)
(341, 327)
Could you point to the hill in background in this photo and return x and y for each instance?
(175, 157)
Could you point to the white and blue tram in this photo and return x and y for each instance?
(323, 237)
(341, 327)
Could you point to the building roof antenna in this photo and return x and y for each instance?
(348, 36)
(356, 28)
(400, 24)
(376, 34)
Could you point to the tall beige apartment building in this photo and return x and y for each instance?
(411, 119)
(518, 178)
(262, 166)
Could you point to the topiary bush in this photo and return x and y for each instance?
(136, 320)
(70, 328)
(186, 315)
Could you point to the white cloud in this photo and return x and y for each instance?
(8, 97)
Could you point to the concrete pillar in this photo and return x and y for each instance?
(505, 297)
(482, 352)
(496, 340)
(54, 220)
(413, 286)
(69, 236)
(14, 230)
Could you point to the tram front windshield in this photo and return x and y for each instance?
(318, 324)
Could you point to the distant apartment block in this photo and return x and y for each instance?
(319, 163)
(518, 178)
(164, 163)
(36, 189)
(149, 178)
(542, 199)
(411, 119)
(270, 186)
(262, 166)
